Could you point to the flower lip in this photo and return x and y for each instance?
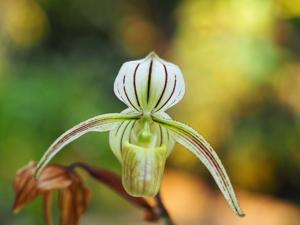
(150, 84)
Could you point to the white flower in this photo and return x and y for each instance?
(149, 85)
(143, 135)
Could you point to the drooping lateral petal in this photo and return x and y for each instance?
(193, 141)
(149, 84)
(99, 123)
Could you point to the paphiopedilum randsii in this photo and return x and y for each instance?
(143, 135)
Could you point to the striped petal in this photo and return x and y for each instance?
(193, 141)
(150, 84)
(127, 130)
(100, 123)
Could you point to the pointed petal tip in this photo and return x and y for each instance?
(240, 213)
(152, 54)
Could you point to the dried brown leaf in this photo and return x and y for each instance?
(114, 182)
(27, 187)
(74, 196)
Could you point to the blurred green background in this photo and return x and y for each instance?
(241, 61)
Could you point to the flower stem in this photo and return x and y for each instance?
(114, 182)
(164, 214)
(47, 208)
(153, 213)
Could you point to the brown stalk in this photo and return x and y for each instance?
(112, 180)
(73, 195)
(164, 214)
(48, 208)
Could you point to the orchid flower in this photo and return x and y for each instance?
(143, 135)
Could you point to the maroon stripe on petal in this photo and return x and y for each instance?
(119, 128)
(134, 84)
(77, 130)
(149, 80)
(179, 93)
(165, 85)
(127, 94)
(122, 137)
(174, 87)
(161, 135)
(119, 92)
(168, 135)
(206, 152)
(131, 130)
